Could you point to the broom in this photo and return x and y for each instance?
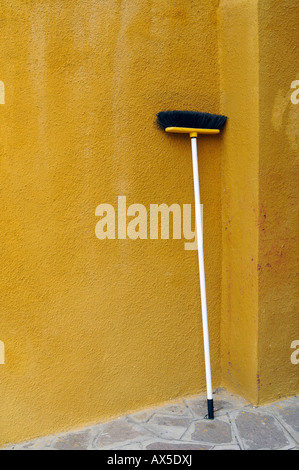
(194, 123)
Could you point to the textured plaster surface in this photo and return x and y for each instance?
(259, 190)
(95, 328)
(240, 193)
(278, 199)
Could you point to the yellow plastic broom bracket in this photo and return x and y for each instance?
(193, 132)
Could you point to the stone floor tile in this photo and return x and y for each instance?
(227, 447)
(259, 431)
(176, 409)
(287, 412)
(131, 446)
(118, 432)
(168, 427)
(197, 405)
(217, 431)
(170, 445)
(81, 440)
(290, 415)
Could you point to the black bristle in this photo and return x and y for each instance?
(193, 119)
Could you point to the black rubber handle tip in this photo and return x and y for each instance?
(210, 414)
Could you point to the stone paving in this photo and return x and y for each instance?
(180, 425)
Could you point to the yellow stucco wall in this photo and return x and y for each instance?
(95, 328)
(259, 320)
(278, 214)
(240, 161)
(90, 328)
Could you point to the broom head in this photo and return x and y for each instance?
(190, 122)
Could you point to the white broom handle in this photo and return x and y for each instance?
(199, 233)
